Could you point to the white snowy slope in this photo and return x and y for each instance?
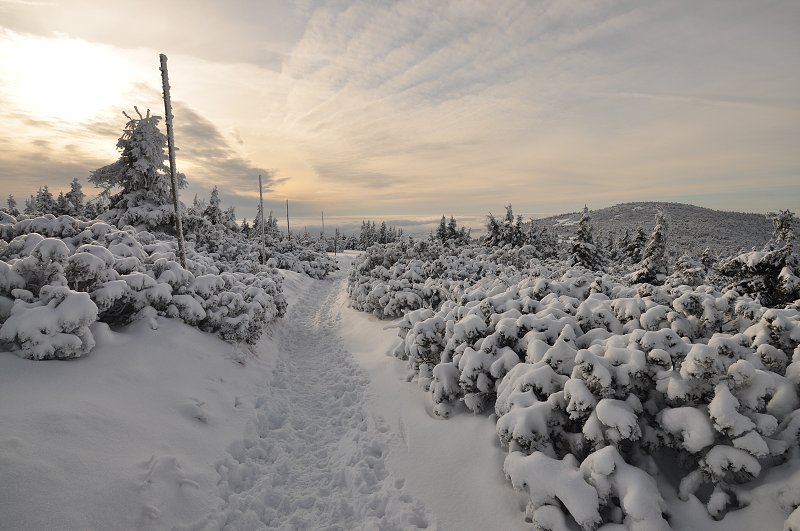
(125, 437)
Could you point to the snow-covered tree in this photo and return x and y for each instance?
(452, 229)
(653, 267)
(76, 198)
(441, 230)
(687, 271)
(383, 233)
(31, 206)
(707, 259)
(143, 181)
(584, 251)
(62, 205)
(611, 246)
(45, 203)
(12, 205)
(492, 231)
(213, 212)
(636, 246)
(783, 229)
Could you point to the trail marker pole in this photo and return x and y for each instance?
(263, 236)
(171, 146)
(288, 230)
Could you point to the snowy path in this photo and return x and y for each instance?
(314, 458)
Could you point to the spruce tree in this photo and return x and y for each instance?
(12, 206)
(584, 251)
(76, 198)
(441, 230)
(611, 246)
(636, 246)
(518, 233)
(61, 205)
(44, 201)
(653, 267)
(707, 259)
(140, 174)
(383, 234)
(213, 212)
(31, 206)
(452, 229)
(492, 231)
(624, 243)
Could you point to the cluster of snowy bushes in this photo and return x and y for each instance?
(58, 275)
(598, 380)
(389, 280)
(216, 233)
(234, 251)
(596, 384)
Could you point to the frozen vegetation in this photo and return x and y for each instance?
(629, 380)
(61, 271)
(601, 377)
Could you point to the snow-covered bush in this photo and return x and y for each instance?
(56, 326)
(58, 275)
(596, 383)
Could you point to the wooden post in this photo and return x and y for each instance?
(171, 146)
(335, 240)
(263, 236)
(288, 230)
(323, 224)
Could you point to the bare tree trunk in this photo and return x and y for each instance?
(263, 237)
(171, 146)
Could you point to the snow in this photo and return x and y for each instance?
(313, 456)
(173, 428)
(316, 425)
(455, 466)
(692, 424)
(125, 437)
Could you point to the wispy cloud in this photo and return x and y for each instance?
(417, 107)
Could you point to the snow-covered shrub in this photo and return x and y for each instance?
(54, 327)
(595, 378)
(123, 273)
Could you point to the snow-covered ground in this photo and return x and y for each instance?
(314, 428)
(173, 427)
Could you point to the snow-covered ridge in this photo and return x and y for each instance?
(693, 228)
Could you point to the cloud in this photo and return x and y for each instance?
(420, 107)
(28, 167)
(211, 158)
(205, 29)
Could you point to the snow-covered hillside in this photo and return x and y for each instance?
(692, 228)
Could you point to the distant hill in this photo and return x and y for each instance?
(690, 228)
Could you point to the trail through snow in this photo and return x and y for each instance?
(314, 457)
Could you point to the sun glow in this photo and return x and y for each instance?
(59, 78)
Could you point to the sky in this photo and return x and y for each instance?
(409, 110)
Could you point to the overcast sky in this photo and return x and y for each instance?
(403, 109)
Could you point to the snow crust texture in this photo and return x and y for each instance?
(313, 458)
